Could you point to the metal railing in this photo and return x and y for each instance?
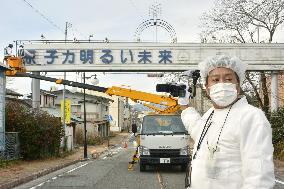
(12, 146)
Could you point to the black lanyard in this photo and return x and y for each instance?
(204, 131)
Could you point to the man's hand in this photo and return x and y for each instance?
(183, 101)
(183, 107)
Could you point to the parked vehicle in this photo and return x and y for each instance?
(163, 140)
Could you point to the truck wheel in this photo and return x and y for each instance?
(183, 167)
(142, 167)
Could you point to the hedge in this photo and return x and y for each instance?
(39, 133)
(277, 124)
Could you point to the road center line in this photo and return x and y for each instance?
(160, 179)
(77, 167)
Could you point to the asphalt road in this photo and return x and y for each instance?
(109, 171)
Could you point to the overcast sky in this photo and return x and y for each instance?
(114, 19)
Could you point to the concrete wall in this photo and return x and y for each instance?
(92, 128)
(116, 110)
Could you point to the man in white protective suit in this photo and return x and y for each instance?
(233, 140)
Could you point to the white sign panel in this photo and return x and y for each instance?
(145, 56)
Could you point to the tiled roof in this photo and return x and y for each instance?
(12, 93)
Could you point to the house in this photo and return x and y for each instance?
(120, 117)
(14, 96)
(47, 103)
(47, 99)
(10, 94)
(97, 111)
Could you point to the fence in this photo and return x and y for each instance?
(12, 146)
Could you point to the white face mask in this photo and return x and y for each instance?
(223, 94)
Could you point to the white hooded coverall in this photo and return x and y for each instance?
(244, 159)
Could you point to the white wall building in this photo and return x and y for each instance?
(97, 110)
(116, 111)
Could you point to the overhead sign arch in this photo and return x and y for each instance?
(136, 56)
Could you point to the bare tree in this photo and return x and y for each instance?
(241, 21)
(266, 14)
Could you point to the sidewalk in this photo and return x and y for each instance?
(25, 171)
(279, 169)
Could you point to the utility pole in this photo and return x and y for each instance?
(63, 92)
(66, 30)
(67, 25)
(85, 121)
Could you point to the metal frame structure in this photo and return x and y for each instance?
(156, 22)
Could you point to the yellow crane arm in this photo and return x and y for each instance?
(142, 96)
(169, 102)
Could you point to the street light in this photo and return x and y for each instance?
(42, 37)
(90, 36)
(94, 81)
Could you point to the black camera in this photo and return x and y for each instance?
(175, 90)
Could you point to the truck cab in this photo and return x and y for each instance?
(163, 140)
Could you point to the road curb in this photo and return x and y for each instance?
(41, 173)
(34, 176)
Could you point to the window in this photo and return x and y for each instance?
(162, 123)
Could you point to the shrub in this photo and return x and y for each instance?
(40, 133)
(91, 138)
(277, 124)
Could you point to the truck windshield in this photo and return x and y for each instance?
(163, 124)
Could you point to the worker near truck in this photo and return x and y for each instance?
(23, 53)
(233, 140)
(8, 52)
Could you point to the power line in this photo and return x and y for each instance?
(43, 16)
(53, 23)
(137, 10)
(80, 33)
